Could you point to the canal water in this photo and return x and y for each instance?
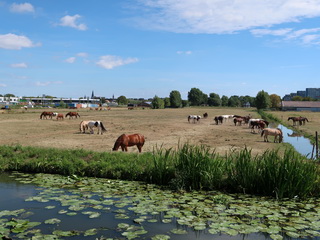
(299, 142)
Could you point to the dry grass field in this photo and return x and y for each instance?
(165, 128)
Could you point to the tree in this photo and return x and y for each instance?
(122, 100)
(275, 101)
(166, 102)
(234, 101)
(214, 99)
(224, 101)
(263, 100)
(247, 99)
(297, 98)
(175, 99)
(196, 97)
(9, 95)
(157, 103)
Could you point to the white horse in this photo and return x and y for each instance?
(194, 118)
(227, 117)
(86, 125)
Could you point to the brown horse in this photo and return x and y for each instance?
(205, 115)
(218, 119)
(124, 141)
(276, 132)
(46, 114)
(72, 114)
(238, 120)
(59, 116)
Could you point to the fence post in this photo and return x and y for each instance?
(317, 146)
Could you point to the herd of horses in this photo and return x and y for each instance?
(260, 124)
(124, 141)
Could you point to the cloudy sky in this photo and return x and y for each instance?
(143, 48)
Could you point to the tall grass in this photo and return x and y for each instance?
(189, 167)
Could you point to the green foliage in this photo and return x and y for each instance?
(214, 99)
(166, 102)
(188, 167)
(122, 100)
(157, 103)
(275, 101)
(263, 100)
(196, 97)
(175, 99)
(224, 101)
(234, 101)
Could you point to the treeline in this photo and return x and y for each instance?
(197, 98)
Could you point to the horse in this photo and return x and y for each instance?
(258, 124)
(276, 132)
(59, 116)
(194, 118)
(294, 120)
(238, 120)
(218, 119)
(205, 115)
(45, 114)
(302, 120)
(72, 114)
(227, 117)
(124, 141)
(86, 125)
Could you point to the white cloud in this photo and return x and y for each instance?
(184, 52)
(3, 85)
(22, 8)
(227, 16)
(70, 21)
(82, 54)
(70, 60)
(306, 36)
(110, 62)
(43, 84)
(15, 42)
(19, 65)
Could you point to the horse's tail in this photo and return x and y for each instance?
(102, 127)
(307, 120)
(78, 114)
(80, 126)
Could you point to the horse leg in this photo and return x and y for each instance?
(139, 148)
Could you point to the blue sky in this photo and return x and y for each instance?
(143, 48)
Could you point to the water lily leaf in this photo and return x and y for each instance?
(91, 232)
(178, 231)
(276, 237)
(52, 221)
(50, 207)
(123, 225)
(160, 237)
(65, 233)
(293, 234)
(138, 220)
(94, 215)
(167, 220)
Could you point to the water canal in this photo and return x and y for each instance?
(37, 207)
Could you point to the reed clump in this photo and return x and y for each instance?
(189, 167)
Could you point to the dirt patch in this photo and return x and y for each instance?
(165, 128)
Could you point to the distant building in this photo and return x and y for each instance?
(309, 92)
(313, 106)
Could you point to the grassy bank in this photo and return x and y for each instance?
(187, 168)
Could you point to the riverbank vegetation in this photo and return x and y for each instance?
(189, 167)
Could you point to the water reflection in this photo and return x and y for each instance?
(299, 142)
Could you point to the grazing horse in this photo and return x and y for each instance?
(238, 120)
(218, 119)
(258, 124)
(72, 114)
(294, 120)
(227, 117)
(86, 125)
(45, 114)
(59, 116)
(194, 118)
(125, 141)
(276, 132)
(302, 120)
(205, 115)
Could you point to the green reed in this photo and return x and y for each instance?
(189, 167)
